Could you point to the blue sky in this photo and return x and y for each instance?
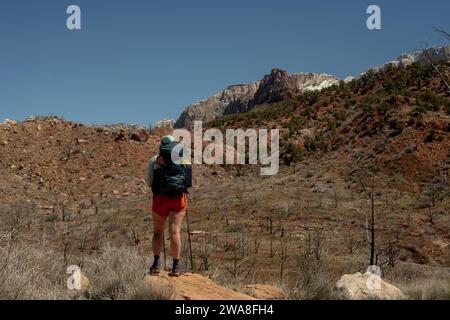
(138, 61)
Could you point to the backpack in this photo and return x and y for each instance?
(172, 179)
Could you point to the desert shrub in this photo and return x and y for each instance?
(419, 109)
(235, 227)
(447, 106)
(423, 202)
(395, 86)
(382, 109)
(114, 272)
(367, 107)
(147, 291)
(368, 79)
(430, 101)
(291, 152)
(340, 114)
(433, 136)
(410, 148)
(331, 123)
(316, 143)
(396, 127)
(311, 282)
(28, 273)
(294, 125)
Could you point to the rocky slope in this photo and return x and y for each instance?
(51, 160)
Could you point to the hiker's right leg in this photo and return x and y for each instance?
(158, 233)
(176, 220)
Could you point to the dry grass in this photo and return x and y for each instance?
(30, 273)
(422, 282)
(427, 289)
(34, 272)
(147, 291)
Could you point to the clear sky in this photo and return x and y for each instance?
(137, 61)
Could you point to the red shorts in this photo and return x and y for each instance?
(162, 205)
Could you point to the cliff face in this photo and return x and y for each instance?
(308, 81)
(214, 106)
(274, 87)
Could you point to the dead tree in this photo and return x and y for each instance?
(430, 216)
(371, 218)
(314, 244)
(390, 254)
(206, 253)
(436, 189)
(335, 199)
(239, 268)
(257, 244)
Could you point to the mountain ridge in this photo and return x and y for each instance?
(279, 85)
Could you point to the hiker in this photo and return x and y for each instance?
(169, 178)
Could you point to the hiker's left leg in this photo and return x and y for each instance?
(158, 233)
(175, 220)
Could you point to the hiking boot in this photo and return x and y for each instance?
(154, 271)
(155, 268)
(174, 274)
(175, 269)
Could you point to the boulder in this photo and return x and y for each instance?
(367, 286)
(84, 281)
(191, 286)
(140, 136)
(78, 281)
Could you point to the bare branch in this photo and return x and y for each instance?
(429, 55)
(442, 32)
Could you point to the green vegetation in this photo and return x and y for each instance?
(369, 105)
(430, 101)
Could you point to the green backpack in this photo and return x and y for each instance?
(172, 179)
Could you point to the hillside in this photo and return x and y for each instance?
(396, 120)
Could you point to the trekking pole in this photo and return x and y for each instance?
(189, 239)
(164, 245)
